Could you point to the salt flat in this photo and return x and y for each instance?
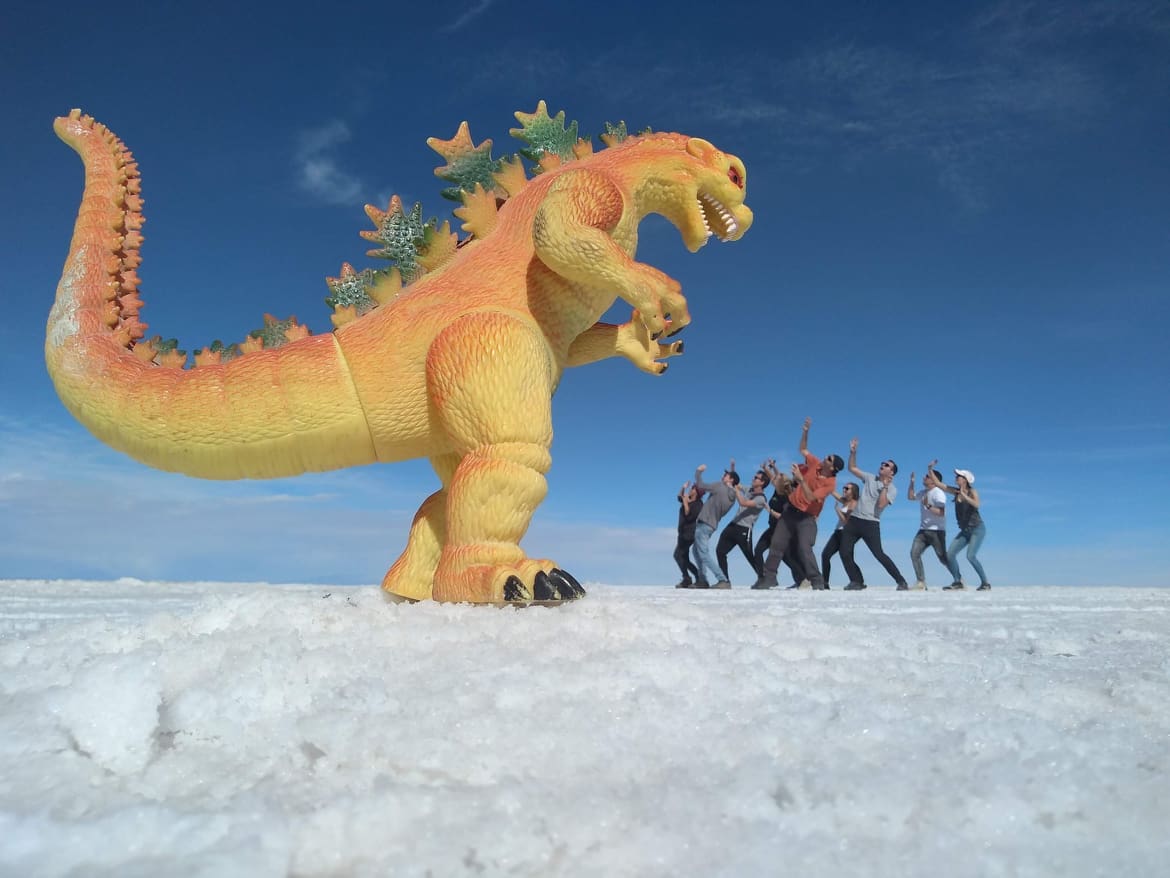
(241, 729)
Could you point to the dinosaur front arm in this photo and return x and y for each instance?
(630, 340)
(572, 234)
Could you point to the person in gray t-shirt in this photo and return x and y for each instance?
(877, 492)
(739, 532)
(720, 498)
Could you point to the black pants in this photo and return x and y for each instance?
(682, 557)
(831, 548)
(795, 531)
(735, 535)
(870, 532)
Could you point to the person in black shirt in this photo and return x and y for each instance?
(689, 506)
(782, 486)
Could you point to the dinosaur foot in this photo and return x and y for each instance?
(548, 589)
(522, 582)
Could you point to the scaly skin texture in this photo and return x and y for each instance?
(458, 366)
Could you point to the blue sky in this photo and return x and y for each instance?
(961, 250)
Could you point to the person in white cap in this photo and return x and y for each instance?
(971, 530)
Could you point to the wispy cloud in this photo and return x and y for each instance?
(978, 98)
(467, 16)
(1023, 25)
(318, 171)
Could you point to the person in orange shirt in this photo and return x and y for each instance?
(815, 480)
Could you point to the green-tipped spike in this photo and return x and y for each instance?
(617, 133)
(273, 333)
(226, 352)
(400, 235)
(545, 135)
(353, 289)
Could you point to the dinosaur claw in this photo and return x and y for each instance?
(543, 588)
(552, 587)
(515, 590)
(568, 588)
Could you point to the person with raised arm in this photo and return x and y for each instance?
(689, 506)
(932, 528)
(815, 479)
(782, 486)
(739, 531)
(720, 498)
(969, 516)
(846, 503)
(877, 492)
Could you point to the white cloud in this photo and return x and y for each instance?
(319, 172)
(467, 16)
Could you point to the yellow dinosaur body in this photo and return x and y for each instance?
(458, 366)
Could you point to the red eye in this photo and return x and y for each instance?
(734, 177)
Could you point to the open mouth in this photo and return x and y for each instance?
(717, 218)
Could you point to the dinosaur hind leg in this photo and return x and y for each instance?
(413, 573)
(490, 378)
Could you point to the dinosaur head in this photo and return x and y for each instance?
(696, 186)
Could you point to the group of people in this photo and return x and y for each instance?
(797, 499)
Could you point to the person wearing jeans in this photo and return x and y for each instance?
(720, 498)
(932, 529)
(971, 530)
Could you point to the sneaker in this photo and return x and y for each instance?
(986, 586)
(919, 586)
(902, 587)
(955, 586)
(686, 583)
(722, 583)
(855, 586)
(804, 583)
(765, 581)
(700, 583)
(824, 586)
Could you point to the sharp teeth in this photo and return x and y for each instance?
(729, 225)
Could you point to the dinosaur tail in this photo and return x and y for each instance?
(269, 413)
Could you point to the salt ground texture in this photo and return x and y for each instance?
(220, 730)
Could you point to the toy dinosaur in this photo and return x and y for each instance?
(453, 353)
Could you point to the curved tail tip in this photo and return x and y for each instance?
(73, 124)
